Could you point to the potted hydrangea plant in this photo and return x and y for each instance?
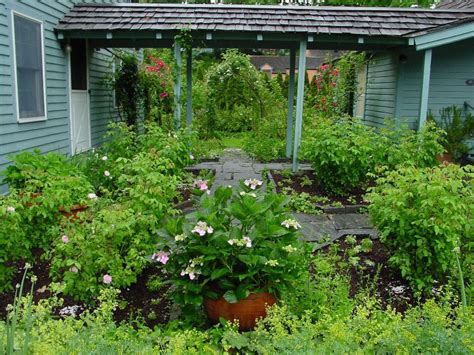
(234, 255)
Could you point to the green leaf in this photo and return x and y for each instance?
(219, 273)
(230, 297)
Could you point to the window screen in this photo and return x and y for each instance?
(78, 65)
(29, 67)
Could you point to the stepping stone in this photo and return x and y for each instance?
(351, 221)
(316, 227)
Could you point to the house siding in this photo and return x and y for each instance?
(54, 133)
(451, 67)
(381, 89)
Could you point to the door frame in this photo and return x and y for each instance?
(71, 91)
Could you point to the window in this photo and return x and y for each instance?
(29, 68)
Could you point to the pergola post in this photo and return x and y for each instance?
(177, 85)
(189, 87)
(425, 88)
(291, 99)
(299, 103)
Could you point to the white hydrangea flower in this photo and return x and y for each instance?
(107, 173)
(92, 196)
(253, 183)
(272, 262)
(10, 209)
(291, 223)
(104, 158)
(202, 228)
(289, 248)
(180, 237)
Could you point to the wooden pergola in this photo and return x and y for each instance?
(275, 27)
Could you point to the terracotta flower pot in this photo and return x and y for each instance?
(246, 311)
(445, 158)
(73, 212)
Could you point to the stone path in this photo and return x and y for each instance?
(235, 165)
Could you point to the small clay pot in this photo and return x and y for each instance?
(246, 311)
(72, 214)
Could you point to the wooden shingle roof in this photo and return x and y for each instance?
(394, 22)
(456, 4)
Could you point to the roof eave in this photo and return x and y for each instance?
(444, 37)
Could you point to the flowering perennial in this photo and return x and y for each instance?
(291, 223)
(245, 241)
(202, 228)
(253, 183)
(161, 257)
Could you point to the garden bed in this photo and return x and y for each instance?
(373, 273)
(307, 182)
(135, 301)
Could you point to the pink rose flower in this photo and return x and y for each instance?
(65, 239)
(74, 270)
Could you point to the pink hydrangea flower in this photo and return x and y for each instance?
(65, 239)
(202, 228)
(161, 257)
(253, 183)
(107, 279)
(201, 185)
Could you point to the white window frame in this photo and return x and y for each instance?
(15, 82)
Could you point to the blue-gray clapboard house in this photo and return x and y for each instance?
(435, 71)
(51, 96)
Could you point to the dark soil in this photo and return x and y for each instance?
(153, 307)
(316, 189)
(387, 283)
(135, 301)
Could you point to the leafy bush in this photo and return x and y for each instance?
(110, 249)
(403, 146)
(31, 169)
(147, 184)
(341, 153)
(423, 214)
(240, 242)
(345, 151)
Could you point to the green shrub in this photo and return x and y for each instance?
(146, 183)
(341, 153)
(345, 151)
(423, 214)
(31, 169)
(403, 146)
(114, 243)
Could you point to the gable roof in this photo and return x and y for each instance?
(456, 4)
(340, 20)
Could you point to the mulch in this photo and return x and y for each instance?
(355, 196)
